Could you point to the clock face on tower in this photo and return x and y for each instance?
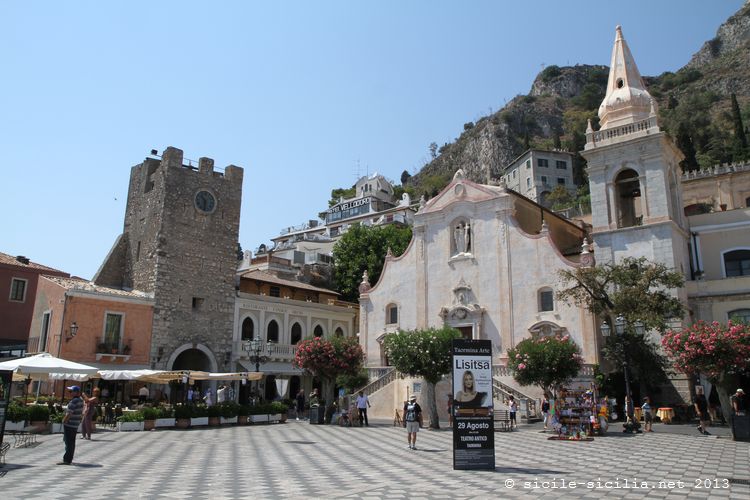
(205, 201)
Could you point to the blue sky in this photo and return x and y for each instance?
(304, 95)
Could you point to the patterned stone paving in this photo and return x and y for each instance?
(298, 460)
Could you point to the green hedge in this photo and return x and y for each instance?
(17, 412)
(131, 416)
(37, 413)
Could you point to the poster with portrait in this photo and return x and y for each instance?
(472, 406)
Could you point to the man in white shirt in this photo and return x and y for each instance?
(221, 394)
(142, 394)
(362, 404)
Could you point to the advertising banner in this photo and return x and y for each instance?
(6, 378)
(473, 430)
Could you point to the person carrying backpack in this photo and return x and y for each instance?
(412, 420)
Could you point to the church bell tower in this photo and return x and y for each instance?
(634, 174)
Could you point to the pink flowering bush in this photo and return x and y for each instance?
(547, 362)
(714, 349)
(328, 358)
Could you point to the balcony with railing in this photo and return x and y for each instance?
(113, 351)
(614, 134)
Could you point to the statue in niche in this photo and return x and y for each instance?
(459, 238)
(462, 238)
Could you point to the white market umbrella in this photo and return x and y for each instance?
(41, 366)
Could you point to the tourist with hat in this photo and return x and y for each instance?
(739, 402)
(71, 421)
(412, 420)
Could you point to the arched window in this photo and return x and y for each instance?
(546, 300)
(740, 316)
(318, 331)
(339, 332)
(737, 263)
(296, 333)
(628, 193)
(391, 314)
(248, 329)
(272, 332)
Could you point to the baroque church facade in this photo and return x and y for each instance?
(485, 259)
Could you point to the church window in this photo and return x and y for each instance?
(620, 83)
(737, 263)
(391, 316)
(528, 163)
(740, 316)
(542, 162)
(274, 291)
(296, 333)
(546, 300)
(561, 181)
(339, 332)
(514, 173)
(318, 331)
(272, 332)
(528, 182)
(628, 198)
(248, 329)
(561, 164)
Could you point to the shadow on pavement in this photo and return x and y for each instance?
(521, 470)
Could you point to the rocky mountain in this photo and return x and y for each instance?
(695, 108)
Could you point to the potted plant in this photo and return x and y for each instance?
(259, 413)
(199, 415)
(278, 412)
(130, 421)
(183, 415)
(214, 415)
(55, 421)
(16, 417)
(242, 414)
(150, 415)
(229, 412)
(38, 416)
(165, 417)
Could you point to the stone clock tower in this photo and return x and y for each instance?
(179, 242)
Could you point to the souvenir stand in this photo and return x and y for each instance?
(577, 416)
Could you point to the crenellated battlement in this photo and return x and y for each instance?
(174, 158)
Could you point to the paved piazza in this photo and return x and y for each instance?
(298, 460)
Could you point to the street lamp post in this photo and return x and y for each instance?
(256, 350)
(621, 326)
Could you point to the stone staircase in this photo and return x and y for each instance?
(501, 390)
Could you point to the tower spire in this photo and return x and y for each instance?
(627, 100)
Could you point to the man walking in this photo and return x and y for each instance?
(71, 420)
(362, 404)
(412, 420)
(701, 409)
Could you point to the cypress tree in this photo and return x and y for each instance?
(739, 151)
